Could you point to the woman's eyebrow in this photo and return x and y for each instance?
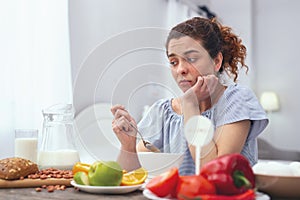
(171, 55)
(185, 53)
(190, 51)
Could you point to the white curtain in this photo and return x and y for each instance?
(35, 64)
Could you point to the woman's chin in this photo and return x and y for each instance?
(185, 88)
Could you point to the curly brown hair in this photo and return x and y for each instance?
(215, 38)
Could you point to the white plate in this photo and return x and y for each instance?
(106, 189)
(95, 139)
(149, 195)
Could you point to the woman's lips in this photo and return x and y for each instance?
(185, 83)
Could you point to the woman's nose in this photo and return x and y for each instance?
(182, 67)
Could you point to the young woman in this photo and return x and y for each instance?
(201, 53)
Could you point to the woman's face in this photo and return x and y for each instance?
(188, 60)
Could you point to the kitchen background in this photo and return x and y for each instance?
(89, 51)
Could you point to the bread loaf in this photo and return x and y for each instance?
(14, 168)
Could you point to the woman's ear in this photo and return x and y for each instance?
(218, 61)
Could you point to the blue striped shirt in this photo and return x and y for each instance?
(164, 128)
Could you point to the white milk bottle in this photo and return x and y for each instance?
(57, 146)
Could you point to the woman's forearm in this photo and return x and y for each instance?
(189, 109)
(128, 159)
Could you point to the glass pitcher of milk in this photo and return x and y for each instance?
(57, 148)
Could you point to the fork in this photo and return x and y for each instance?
(147, 144)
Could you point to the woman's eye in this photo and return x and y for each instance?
(173, 63)
(191, 60)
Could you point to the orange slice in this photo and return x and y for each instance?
(135, 177)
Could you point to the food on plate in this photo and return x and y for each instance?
(105, 173)
(15, 168)
(231, 174)
(193, 186)
(164, 184)
(135, 177)
(81, 178)
(81, 167)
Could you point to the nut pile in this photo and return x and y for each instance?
(50, 188)
(51, 173)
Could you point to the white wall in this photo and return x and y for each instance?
(238, 15)
(118, 52)
(276, 40)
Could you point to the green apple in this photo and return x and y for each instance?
(105, 173)
(81, 178)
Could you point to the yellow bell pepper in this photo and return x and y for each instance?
(81, 167)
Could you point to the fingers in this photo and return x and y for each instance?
(200, 81)
(205, 86)
(116, 107)
(126, 138)
(116, 128)
(211, 82)
(122, 118)
(121, 125)
(123, 114)
(119, 111)
(200, 85)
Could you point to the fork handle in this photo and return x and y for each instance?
(136, 130)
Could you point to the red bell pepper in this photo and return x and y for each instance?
(231, 174)
(194, 185)
(248, 195)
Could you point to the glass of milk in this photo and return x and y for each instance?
(26, 141)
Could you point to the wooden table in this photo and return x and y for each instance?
(69, 193)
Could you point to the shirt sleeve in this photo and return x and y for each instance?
(151, 125)
(242, 104)
(163, 127)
